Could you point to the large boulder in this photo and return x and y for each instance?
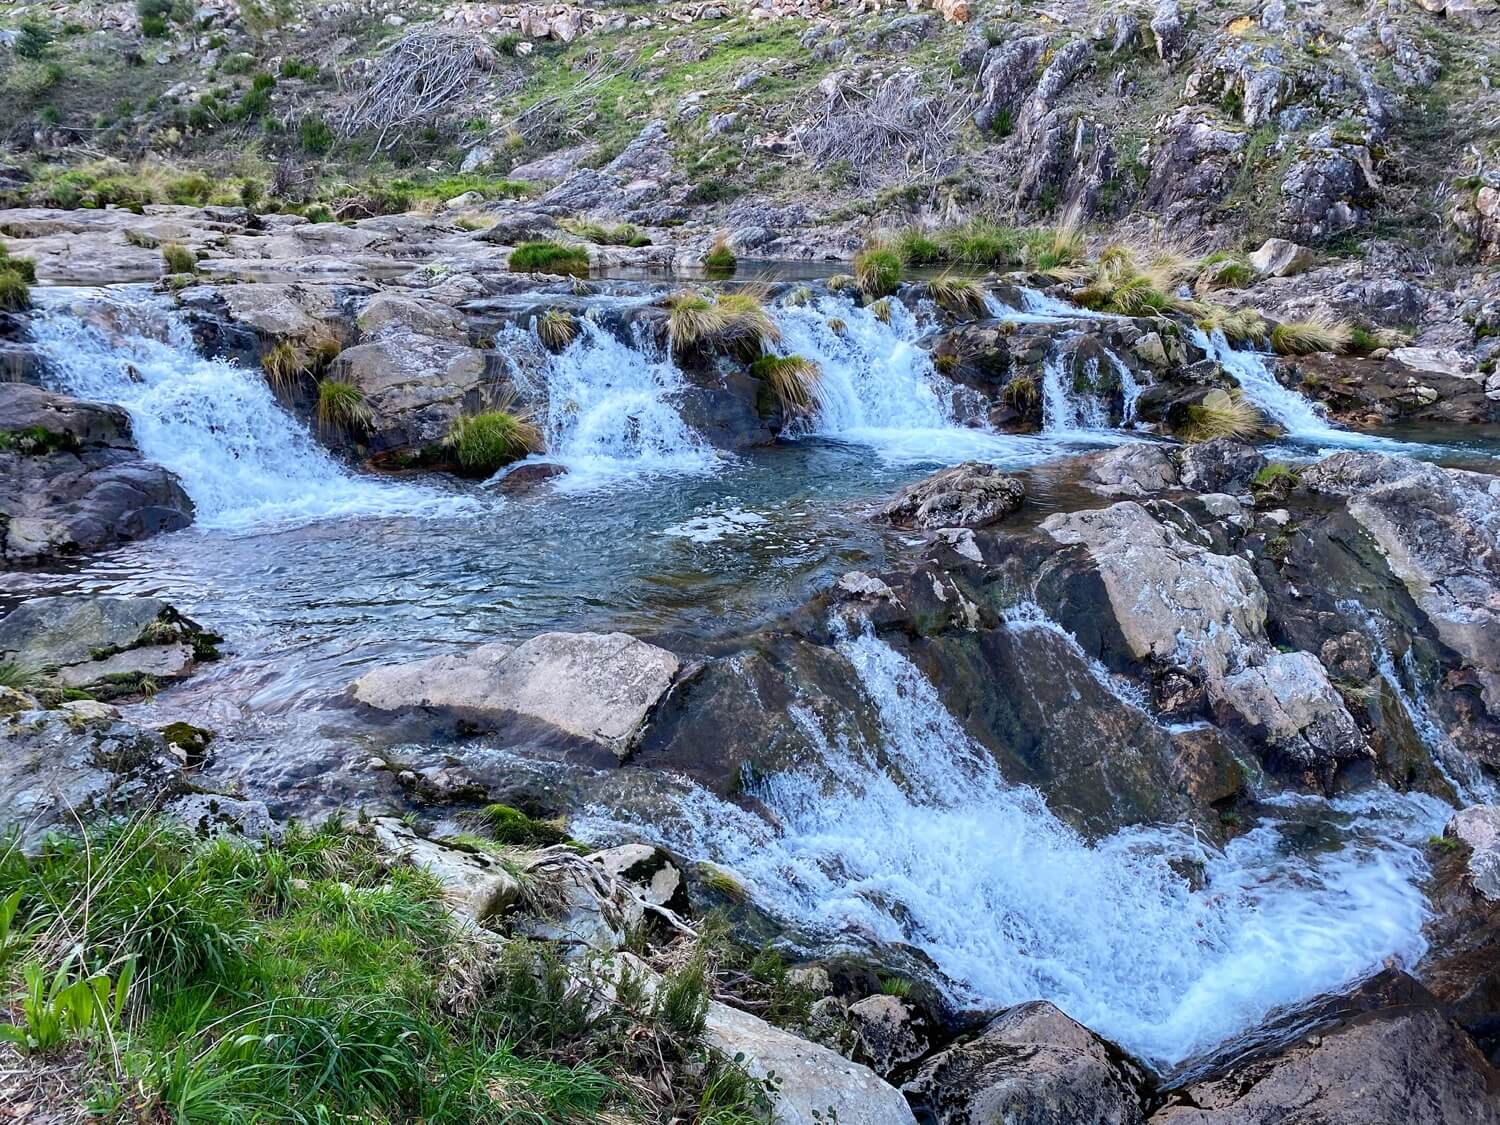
(1030, 1066)
(1007, 76)
(72, 479)
(967, 495)
(595, 690)
(106, 645)
(1219, 465)
(1438, 529)
(1136, 469)
(1409, 1064)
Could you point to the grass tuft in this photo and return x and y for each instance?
(960, 296)
(792, 379)
(284, 365)
(557, 328)
(1319, 333)
(178, 258)
(881, 310)
(877, 269)
(342, 406)
(1223, 414)
(1224, 269)
(486, 442)
(720, 259)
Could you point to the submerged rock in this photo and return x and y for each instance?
(968, 495)
(592, 688)
(72, 479)
(1031, 1066)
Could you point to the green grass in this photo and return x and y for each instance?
(178, 258)
(485, 442)
(737, 322)
(960, 296)
(877, 269)
(309, 982)
(720, 258)
(507, 825)
(621, 234)
(342, 406)
(549, 257)
(15, 290)
(1223, 414)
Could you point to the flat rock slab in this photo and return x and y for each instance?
(598, 688)
(47, 632)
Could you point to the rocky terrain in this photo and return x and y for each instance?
(779, 561)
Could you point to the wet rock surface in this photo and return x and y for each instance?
(968, 495)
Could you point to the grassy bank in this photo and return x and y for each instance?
(154, 977)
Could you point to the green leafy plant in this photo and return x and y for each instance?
(66, 1004)
(1224, 269)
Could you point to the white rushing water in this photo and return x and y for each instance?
(241, 457)
(1013, 905)
(611, 408)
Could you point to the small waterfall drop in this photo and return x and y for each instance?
(242, 458)
(610, 406)
(1013, 905)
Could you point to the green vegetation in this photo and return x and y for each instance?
(342, 406)
(507, 825)
(283, 365)
(549, 257)
(178, 258)
(316, 981)
(16, 676)
(483, 443)
(1135, 280)
(1315, 334)
(1363, 341)
(737, 321)
(1223, 414)
(1021, 394)
(15, 290)
(895, 986)
(557, 328)
(881, 310)
(720, 258)
(792, 379)
(1239, 326)
(1224, 269)
(315, 135)
(877, 269)
(1275, 481)
(622, 234)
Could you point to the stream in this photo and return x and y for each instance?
(315, 573)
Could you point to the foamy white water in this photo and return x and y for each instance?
(610, 408)
(1013, 905)
(241, 457)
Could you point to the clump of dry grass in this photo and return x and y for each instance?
(1318, 333)
(881, 310)
(792, 379)
(1223, 414)
(557, 328)
(960, 296)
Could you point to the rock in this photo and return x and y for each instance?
(72, 479)
(58, 765)
(595, 689)
(1408, 1064)
(96, 642)
(628, 182)
(1030, 1066)
(648, 869)
(475, 886)
(1438, 361)
(588, 909)
(890, 1034)
(967, 495)
(1326, 192)
(1136, 469)
(1219, 465)
(1150, 348)
(519, 225)
(553, 166)
(1170, 31)
(816, 1085)
(212, 815)
(1438, 529)
(1194, 163)
(477, 158)
(1290, 705)
(1007, 75)
(1478, 827)
(1279, 258)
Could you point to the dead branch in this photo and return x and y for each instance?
(894, 133)
(416, 80)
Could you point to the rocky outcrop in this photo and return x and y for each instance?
(1438, 529)
(1135, 469)
(620, 189)
(105, 645)
(967, 495)
(1408, 1063)
(1220, 465)
(1030, 1066)
(586, 689)
(1007, 75)
(72, 479)
(475, 886)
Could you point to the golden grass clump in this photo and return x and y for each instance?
(960, 296)
(1318, 333)
(1223, 414)
(557, 328)
(792, 379)
(342, 406)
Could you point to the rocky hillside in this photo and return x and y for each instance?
(798, 128)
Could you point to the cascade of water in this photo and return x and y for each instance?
(1013, 905)
(610, 406)
(1130, 389)
(1029, 615)
(242, 458)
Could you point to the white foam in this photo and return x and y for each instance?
(1013, 905)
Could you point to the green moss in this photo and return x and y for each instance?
(549, 257)
(507, 825)
(37, 441)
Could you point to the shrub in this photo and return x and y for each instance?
(483, 443)
(178, 258)
(720, 258)
(33, 40)
(1363, 341)
(792, 379)
(1223, 414)
(549, 257)
(154, 27)
(878, 270)
(342, 406)
(194, 189)
(1319, 333)
(557, 328)
(315, 135)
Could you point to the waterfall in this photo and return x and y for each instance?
(1012, 905)
(241, 457)
(610, 405)
(1029, 615)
